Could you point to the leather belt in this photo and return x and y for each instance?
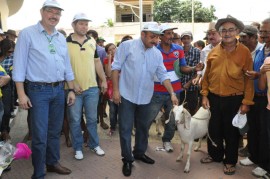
(53, 84)
(233, 94)
(260, 94)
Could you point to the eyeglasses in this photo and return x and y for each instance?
(230, 30)
(53, 12)
(264, 32)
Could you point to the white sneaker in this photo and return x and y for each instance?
(246, 162)
(98, 151)
(79, 155)
(259, 172)
(168, 146)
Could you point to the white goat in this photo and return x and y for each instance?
(190, 128)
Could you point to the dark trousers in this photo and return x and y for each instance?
(257, 136)
(191, 98)
(223, 110)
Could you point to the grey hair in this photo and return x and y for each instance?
(266, 21)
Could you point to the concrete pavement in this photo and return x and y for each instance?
(110, 165)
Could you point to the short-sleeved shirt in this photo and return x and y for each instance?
(82, 58)
(176, 52)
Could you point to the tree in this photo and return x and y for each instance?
(165, 9)
(181, 11)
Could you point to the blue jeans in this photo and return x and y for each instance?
(89, 101)
(113, 114)
(47, 113)
(129, 114)
(157, 102)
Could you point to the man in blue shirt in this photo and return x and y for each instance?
(139, 61)
(41, 62)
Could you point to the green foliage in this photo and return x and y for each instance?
(109, 23)
(181, 11)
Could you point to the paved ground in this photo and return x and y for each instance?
(110, 165)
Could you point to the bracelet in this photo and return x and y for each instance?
(69, 90)
(173, 93)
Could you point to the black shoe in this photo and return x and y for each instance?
(127, 169)
(144, 158)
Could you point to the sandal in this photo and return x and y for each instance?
(229, 169)
(207, 159)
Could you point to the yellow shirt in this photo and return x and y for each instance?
(2, 70)
(225, 73)
(82, 59)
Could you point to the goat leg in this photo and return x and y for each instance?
(198, 145)
(180, 157)
(186, 170)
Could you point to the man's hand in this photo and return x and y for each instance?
(265, 68)
(244, 109)
(24, 102)
(252, 74)
(174, 100)
(116, 97)
(103, 87)
(71, 98)
(199, 67)
(77, 88)
(205, 102)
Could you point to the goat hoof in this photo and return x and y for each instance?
(186, 171)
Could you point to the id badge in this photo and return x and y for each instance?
(52, 49)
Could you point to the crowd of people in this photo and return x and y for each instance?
(68, 80)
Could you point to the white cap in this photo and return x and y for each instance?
(1, 32)
(52, 3)
(151, 27)
(80, 16)
(164, 27)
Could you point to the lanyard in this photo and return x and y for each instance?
(51, 45)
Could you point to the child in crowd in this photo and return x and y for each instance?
(110, 50)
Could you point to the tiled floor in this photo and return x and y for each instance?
(110, 165)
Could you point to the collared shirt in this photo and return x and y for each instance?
(138, 67)
(7, 64)
(176, 52)
(203, 56)
(192, 58)
(225, 73)
(258, 47)
(258, 62)
(82, 59)
(34, 59)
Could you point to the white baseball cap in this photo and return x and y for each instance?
(164, 27)
(52, 3)
(151, 27)
(80, 16)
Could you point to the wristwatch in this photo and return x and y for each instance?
(69, 90)
(173, 93)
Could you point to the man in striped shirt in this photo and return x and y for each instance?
(161, 98)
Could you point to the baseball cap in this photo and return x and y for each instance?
(80, 16)
(52, 3)
(249, 30)
(151, 27)
(188, 33)
(164, 27)
(101, 39)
